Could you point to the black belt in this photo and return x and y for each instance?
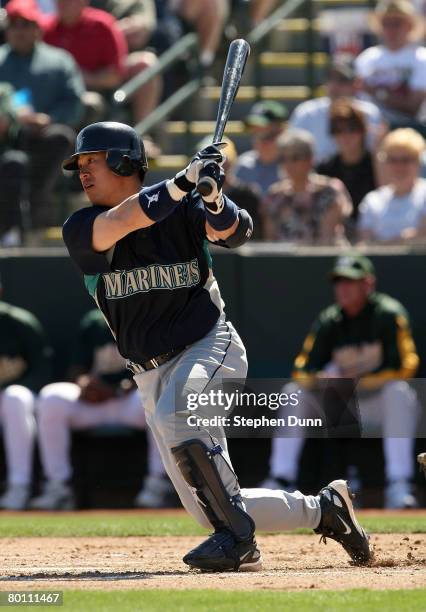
(156, 362)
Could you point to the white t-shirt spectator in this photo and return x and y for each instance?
(401, 70)
(249, 169)
(388, 215)
(313, 116)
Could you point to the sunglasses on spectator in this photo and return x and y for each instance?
(393, 22)
(345, 129)
(267, 136)
(406, 159)
(293, 157)
(21, 23)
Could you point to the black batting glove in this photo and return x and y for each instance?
(214, 201)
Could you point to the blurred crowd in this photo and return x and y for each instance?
(345, 168)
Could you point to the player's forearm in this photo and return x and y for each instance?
(117, 222)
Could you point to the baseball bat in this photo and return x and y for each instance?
(238, 52)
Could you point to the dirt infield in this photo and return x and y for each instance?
(291, 562)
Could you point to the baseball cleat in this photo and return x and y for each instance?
(56, 495)
(15, 498)
(221, 552)
(399, 495)
(339, 523)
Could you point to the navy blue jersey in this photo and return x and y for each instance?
(155, 287)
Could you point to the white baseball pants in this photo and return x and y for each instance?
(59, 411)
(18, 423)
(392, 409)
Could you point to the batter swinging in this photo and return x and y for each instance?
(144, 256)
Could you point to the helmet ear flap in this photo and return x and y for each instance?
(120, 163)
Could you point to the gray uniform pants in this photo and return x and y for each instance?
(220, 355)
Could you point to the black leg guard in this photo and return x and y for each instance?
(197, 465)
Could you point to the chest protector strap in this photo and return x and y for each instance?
(197, 464)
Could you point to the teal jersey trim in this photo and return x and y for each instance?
(91, 282)
(208, 254)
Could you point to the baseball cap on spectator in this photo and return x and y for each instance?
(354, 267)
(343, 67)
(23, 9)
(262, 114)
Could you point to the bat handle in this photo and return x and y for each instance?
(205, 186)
(206, 183)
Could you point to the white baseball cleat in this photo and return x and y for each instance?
(399, 495)
(57, 495)
(15, 498)
(339, 523)
(157, 492)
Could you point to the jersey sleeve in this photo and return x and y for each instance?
(316, 352)
(196, 215)
(35, 351)
(77, 233)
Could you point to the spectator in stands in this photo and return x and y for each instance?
(102, 393)
(304, 207)
(353, 163)
(14, 171)
(135, 18)
(396, 212)
(100, 49)
(394, 73)
(208, 17)
(260, 166)
(314, 115)
(48, 88)
(366, 336)
(24, 369)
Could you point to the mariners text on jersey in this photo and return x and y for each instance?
(121, 284)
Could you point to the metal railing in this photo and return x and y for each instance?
(188, 43)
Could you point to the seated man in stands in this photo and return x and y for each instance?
(99, 47)
(314, 115)
(396, 212)
(394, 73)
(304, 207)
(260, 166)
(353, 163)
(365, 336)
(14, 173)
(24, 369)
(208, 17)
(102, 393)
(135, 18)
(48, 88)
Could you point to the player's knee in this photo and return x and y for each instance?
(397, 391)
(55, 400)
(17, 399)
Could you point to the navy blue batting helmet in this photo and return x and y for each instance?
(124, 148)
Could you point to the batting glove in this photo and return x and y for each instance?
(186, 179)
(214, 201)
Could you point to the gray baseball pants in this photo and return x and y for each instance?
(220, 355)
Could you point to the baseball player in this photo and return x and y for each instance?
(25, 360)
(101, 392)
(144, 256)
(366, 336)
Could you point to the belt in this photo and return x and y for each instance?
(156, 362)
